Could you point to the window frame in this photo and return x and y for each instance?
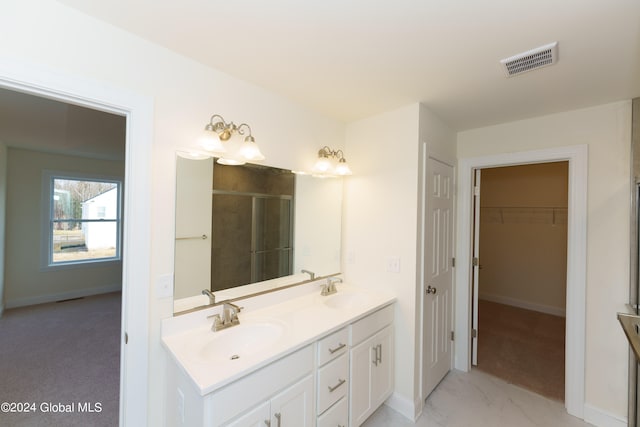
(47, 252)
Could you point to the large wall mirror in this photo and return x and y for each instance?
(244, 229)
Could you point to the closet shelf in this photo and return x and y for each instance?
(552, 215)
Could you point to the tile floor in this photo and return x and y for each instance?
(478, 399)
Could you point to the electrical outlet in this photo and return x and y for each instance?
(393, 264)
(164, 286)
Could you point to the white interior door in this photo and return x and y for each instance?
(438, 274)
(193, 226)
(475, 266)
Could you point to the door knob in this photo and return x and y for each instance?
(431, 290)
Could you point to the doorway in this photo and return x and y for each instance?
(576, 260)
(134, 341)
(63, 268)
(520, 297)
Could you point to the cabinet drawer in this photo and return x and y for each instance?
(333, 346)
(364, 328)
(224, 404)
(333, 382)
(336, 416)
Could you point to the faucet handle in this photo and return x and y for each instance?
(217, 322)
(330, 287)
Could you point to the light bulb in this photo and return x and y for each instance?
(342, 168)
(211, 142)
(249, 149)
(323, 164)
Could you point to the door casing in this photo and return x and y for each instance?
(577, 157)
(138, 110)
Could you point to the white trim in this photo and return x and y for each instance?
(601, 418)
(405, 407)
(576, 260)
(527, 305)
(34, 79)
(41, 299)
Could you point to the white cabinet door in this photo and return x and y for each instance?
(294, 406)
(382, 372)
(371, 375)
(362, 358)
(257, 417)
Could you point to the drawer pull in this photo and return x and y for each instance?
(338, 348)
(267, 423)
(334, 388)
(375, 355)
(279, 418)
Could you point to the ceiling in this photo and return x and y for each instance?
(353, 59)
(41, 124)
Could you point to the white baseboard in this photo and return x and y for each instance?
(601, 418)
(556, 311)
(405, 407)
(40, 299)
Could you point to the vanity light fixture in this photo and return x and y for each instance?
(331, 163)
(218, 132)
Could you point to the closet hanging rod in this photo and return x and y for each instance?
(523, 207)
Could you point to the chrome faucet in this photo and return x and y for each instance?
(228, 319)
(212, 297)
(310, 273)
(330, 287)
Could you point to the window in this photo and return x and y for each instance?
(84, 220)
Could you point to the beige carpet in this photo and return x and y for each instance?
(62, 353)
(522, 347)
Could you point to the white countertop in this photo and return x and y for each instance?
(297, 322)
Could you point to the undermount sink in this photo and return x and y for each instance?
(238, 341)
(346, 300)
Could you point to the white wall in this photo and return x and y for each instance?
(381, 220)
(185, 94)
(25, 281)
(3, 210)
(606, 129)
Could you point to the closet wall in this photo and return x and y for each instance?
(523, 236)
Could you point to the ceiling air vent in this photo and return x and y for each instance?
(531, 59)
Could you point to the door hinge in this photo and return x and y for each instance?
(453, 262)
(474, 333)
(452, 336)
(475, 261)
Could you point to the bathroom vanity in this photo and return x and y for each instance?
(296, 359)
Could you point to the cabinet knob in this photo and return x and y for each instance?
(431, 290)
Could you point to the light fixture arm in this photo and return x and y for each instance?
(239, 129)
(328, 152)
